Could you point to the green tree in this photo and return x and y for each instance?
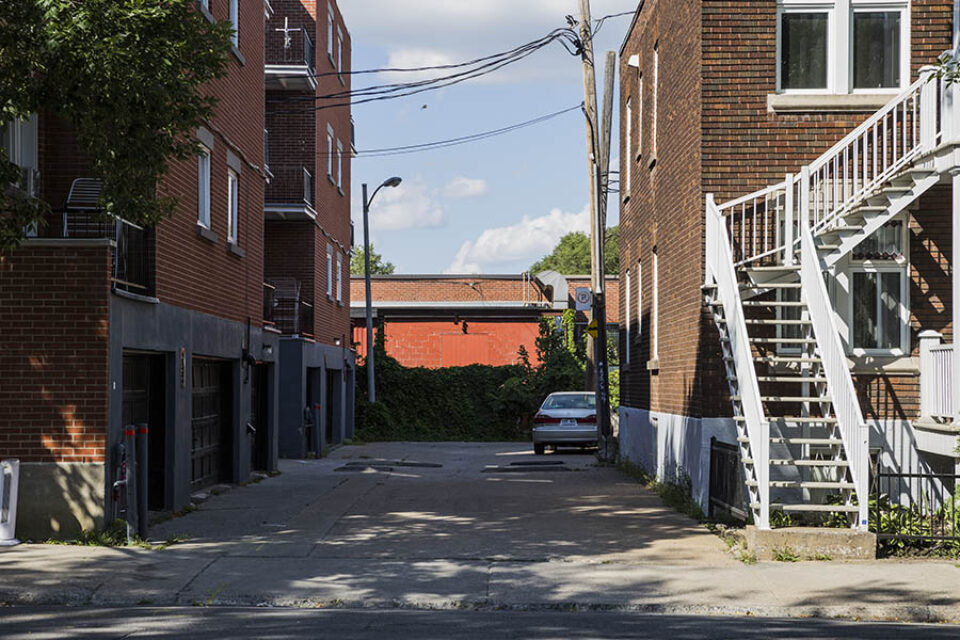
(378, 266)
(127, 75)
(572, 255)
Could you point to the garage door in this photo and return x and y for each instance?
(211, 420)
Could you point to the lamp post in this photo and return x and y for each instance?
(392, 182)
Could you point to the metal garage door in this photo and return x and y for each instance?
(211, 420)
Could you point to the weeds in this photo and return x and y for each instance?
(822, 557)
(786, 554)
(115, 535)
(676, 493)
(747, 557)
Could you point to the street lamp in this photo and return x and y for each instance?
(392, 182)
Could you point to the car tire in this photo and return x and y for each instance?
(539, 448)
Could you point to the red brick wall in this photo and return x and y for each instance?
(436, 344)
(449, 289)
(191, 272)
(612, 290)
(664, 211)
(54, 378)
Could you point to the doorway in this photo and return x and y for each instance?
(211, 448)
(144, 403)
(260, 418)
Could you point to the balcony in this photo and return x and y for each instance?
(286, 309)
(295, 68)
(936, 377)
(132, 247)
(290, 195)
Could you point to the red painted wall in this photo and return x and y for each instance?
(435, 344)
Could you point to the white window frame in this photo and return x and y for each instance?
(234, 15)
(340, 52)
(655, 310)
(840, 42)
(639, 155)
(22, 149)
(340, 166)
(203, 187)
(339, 277)
(331, 20)
(656, 103)
(330, 153)
(233, 206)
(329, 272)
(629, 288)
(639, 332)
(628, 152)
(901, 266)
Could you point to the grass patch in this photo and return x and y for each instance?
(822, 557)
(786, 554)
(747, 557)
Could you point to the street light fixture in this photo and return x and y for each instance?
(391, 182)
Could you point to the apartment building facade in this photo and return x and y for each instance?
(786, 243)
(112, 328)
(308, 231)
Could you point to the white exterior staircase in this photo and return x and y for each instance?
(802, 436)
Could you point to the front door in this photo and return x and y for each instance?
(259, 460)
(143, 403)
(211, 423)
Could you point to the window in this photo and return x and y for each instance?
(307, 186)
(639, 116)
(339, 278)
(329, 271)
(330, 153)
(879, 318)
(339, 165)
(235, 19)
(628, 154)
(233, 205)
(842, 46)
(655, 310)
(656, 89)
(629, 289)
(639, 331)
(18, 139)
(203, 188)
(330, 23)
(339, 52)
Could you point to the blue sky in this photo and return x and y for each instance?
(493, 206)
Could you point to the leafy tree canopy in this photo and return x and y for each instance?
(128, 75)
(572, 255)
(378, 266)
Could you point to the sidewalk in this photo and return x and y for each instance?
(456, 538)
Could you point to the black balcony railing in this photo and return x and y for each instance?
(309, 52)
(291, 184)
(133, 269)
(269, 303)
(285, 308)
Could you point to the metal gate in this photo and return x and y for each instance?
(727, 493)
(211, 420)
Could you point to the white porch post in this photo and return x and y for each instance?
(955, 290)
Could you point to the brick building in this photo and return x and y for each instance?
(456, 320)
(744, 125)
(107, 325)
(308, 232)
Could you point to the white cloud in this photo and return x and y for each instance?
(443, 31)
(462, 187)
(412, 205)
(529, 239)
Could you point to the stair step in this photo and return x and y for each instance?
(770, 285)
(802, 484)
(791, 323)
(778, 268)
(790, 379)
(783, 340)
(790, 462)
(841, 228)
(828, 247)
(772, 303)
(864, 209)
(818, 508)
(796, 419)
(819, 399)
(820, 442)
(786, 360)
(895, 190)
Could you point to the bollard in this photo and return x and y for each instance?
(129, 443)
(9, 483)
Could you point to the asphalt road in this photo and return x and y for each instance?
(282, 624)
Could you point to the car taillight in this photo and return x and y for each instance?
(542, 419)
(587, 420)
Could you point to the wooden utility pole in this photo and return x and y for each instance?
(590, 111)
(607, 452)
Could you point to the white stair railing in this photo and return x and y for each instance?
(846, 405)
(720, 270)
(841, 179)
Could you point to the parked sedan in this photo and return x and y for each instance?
(568, 418)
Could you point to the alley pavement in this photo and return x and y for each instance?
(462, 526)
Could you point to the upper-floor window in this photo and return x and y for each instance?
(843, 46)
(233, 205)
(629, 291)
(329, 272)
(639, 116)
(628, 154)
(656, 91)
(18, 140)
(331, 21)
(339, 278)
(330, 155)
(339, 165)
(203, 188)
(339, 52)
(235, 19)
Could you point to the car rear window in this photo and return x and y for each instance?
(579, 401)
